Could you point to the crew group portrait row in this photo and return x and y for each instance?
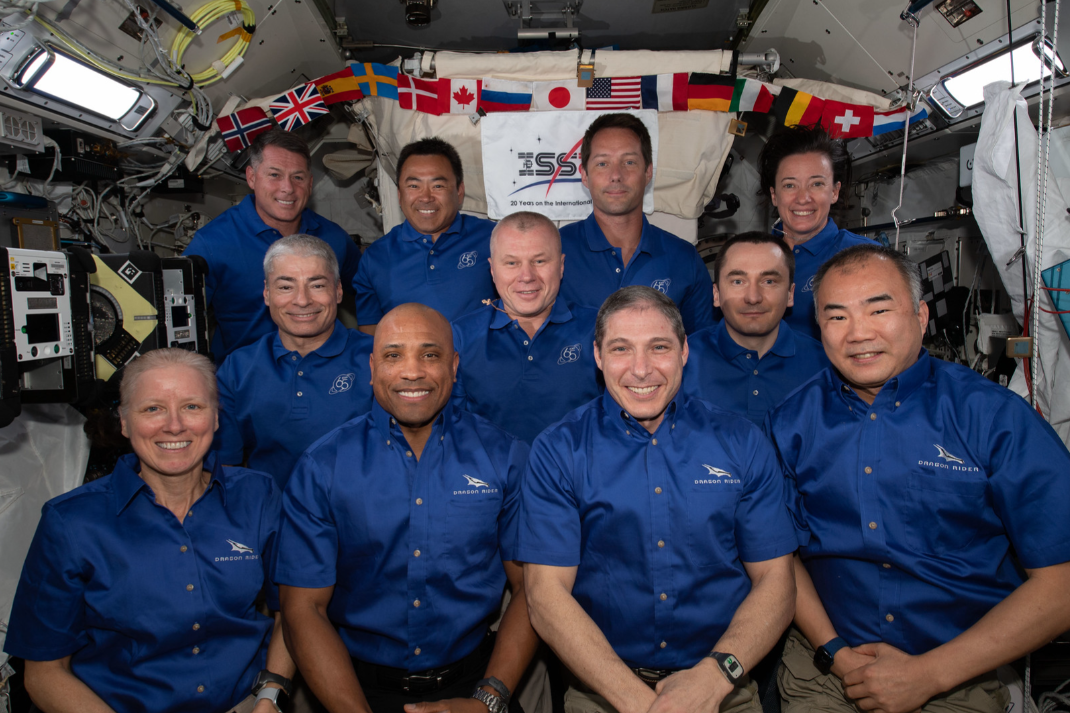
(327, 518)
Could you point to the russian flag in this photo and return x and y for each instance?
(885, 121)
(504, 95)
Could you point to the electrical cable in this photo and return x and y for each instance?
(206, 15)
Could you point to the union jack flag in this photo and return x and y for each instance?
(240, 128)
(298, 106)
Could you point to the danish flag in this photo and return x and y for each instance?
(240, 128)
(421, 94)
(298, 106)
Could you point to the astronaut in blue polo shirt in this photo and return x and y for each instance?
(750, 360)
(931, 509)
(282, 393)
(656, 542)
(801, 168)
(234, 243)
(527, 359)
(437, 257)
(398, 536)
(616, 245)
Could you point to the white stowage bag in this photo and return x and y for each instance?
(43, 453)
(995, 200)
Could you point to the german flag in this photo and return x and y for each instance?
(794, 108)
(712, 92)
(339, 87)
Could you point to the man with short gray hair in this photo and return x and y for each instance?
(281, 393)
(653, 528)
(526, 359)
(234, 243)
(930, 505)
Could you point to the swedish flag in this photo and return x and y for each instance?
(376, 80)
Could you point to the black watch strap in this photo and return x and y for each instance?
(500, 688)
(265, 677)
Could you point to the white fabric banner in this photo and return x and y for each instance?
(532, 162)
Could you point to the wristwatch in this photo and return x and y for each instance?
(265, 677)
(730, 667)
(825, 655)
(272, 694)
(494, 703)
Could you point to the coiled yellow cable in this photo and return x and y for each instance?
(206, 15)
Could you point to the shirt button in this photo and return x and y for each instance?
(868, 470)
(889, 617)
(416, 553)
(425, 240)
(183, 548)
(525, 342)
(196, 626)
(419, 501)
(873, 417)
(301, 373)
(432, 252)
(189, 587)
(388, 441)
(657, 490)
(654, 441)
(531, 358)
(417, 651)
(661, 543)
(189, 514)
(663, 644)
(887, 566)
(897, 404)
(618, 269)
(416, 604)
(200, 689)
(755, 392)
(748, 356)
(408, 453)
(664, 596)
(873, 526)
(796, 251)
(294, 357)
(432, 267)
(300, 393)
(756, 372)
(196, 649)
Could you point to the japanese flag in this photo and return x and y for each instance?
(558, 96)
(464, 95)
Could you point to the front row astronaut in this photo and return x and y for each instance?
(907, 514)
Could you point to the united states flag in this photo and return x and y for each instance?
(298, 106)
(615, 93)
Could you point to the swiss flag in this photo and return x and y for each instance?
(847, 121)
(420, 94)
(558, 96)
(464, 95)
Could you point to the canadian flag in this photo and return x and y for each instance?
(558, 96)
(419, 94)
(464, 95)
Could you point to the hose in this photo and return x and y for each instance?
(206, 15)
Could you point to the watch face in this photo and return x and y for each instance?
(734, 668)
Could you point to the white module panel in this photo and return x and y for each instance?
(41, 304)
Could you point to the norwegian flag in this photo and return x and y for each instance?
(615, 93)
(421, 94)
(240, 128)
(298, 106)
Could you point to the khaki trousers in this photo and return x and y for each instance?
(804, 689)
(742, 700)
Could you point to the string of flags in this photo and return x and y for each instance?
(681, 91)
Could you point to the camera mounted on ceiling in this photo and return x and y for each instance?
(418, 12)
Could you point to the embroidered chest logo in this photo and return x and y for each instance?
(716, 476)
(467, 260)
(342, 382)
(570, 354)
(809, 286)
(662, 285)
(239, 552)
(950, 462)
(473, 486)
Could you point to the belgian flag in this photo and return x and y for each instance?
(712, 92)
(794, 108)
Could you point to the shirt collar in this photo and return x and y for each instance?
(255, 224)
(410, 234)
(389, 429)
(334, 345)
(597, 241)
(126, 483)
(899, 387)
(784, 346)
(816, 244)
(559, 313)
(621, 421)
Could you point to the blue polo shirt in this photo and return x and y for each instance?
(596, 269)
(155, 614)
(234, 244)
(909, 510)
(658, 525)
(451, 274)
(724, 373)
(809, 257)
(274, 403)
(414, 549)
(521, 383)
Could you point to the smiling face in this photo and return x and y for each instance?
(804, 193)
(170, 420)
(642, 361)
(753, 289)
(413, 364)
(615, 173)
(302, 296)
(429, 194)
(527, 268)
(869, 328)
(281, 183)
